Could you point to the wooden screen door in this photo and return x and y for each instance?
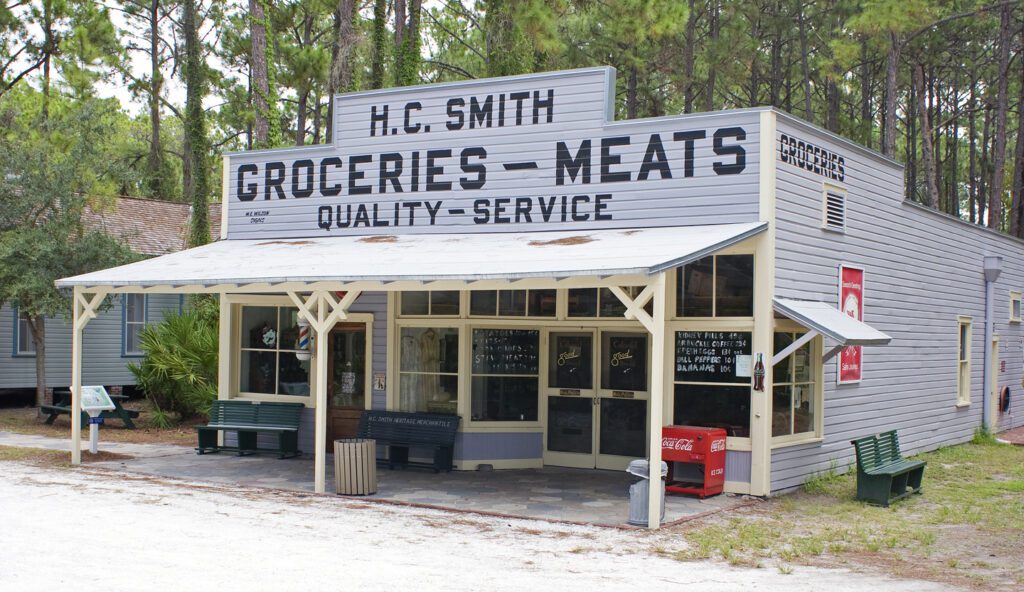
(347, 361)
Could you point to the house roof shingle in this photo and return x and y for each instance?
(149, 226)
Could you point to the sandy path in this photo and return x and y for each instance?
(104, 531)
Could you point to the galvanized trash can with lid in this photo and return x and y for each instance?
(639, 498)
(355, 466)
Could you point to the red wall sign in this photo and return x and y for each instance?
(851, 302)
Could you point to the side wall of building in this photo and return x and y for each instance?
(922, 271)
(103, 361)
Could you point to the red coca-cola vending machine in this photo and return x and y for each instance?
(696, 459)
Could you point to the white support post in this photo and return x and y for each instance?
(83, 311)
(322, 311)
(659, 354)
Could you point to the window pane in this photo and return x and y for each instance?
(258, 372)
(542, 303)
(803, 408)
(726, 407)
(624, 362)
(290, 329)
(734, 279)
(429, 350)
(506, 351)
(293, 375)
(583, 302)
(965, 337)
(570, 424)
(132, 338)
(623, 427)
(783, 370)
(782, 410)
(512, 303)
(504, 398)
(26, 345)
(1016, 308)
(445, 302)
(259, 327)
(428, 393)
(135, 308)
(483, 303)
(570, 361)
(694, 292)
(802, 363)
(611, 306)
(415, 303)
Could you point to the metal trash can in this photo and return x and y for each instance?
(639, 493)
(355, 466)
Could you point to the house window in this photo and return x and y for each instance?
(430, 303)
(716, 286)
(794, 404)
(268, 364)
(24, 345)
(505, 374)
(134, 322)
(428, 369)
(601, 302)
(512, 303)
(1015, 306)
(963, 390)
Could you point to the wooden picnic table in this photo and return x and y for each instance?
(62, 406)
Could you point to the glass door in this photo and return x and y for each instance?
(596, 399)
(347, 362)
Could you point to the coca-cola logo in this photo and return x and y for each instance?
(685, 444)
(717, 445)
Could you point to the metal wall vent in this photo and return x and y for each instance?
(835, 210)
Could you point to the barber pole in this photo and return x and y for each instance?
(302, 345)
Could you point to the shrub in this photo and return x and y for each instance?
(179, 371)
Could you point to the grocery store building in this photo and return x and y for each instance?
(567, 284)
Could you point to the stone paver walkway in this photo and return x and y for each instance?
(551, 493)
(1014, 436)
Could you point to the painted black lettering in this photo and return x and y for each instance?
(456, 118)
(271, 181)
(381, 118)
(433, 170)
(354, 175)
(546, 209)
(362, 217)
(576, 201)
(565, 162)
(608, 159)
(519, 97)
(415, 171)
(479, 168)
(499, 209)
(601, 204)
(481, 208)
(479, 113)
(322, 221)
(523, 207)
(783, 148)
(247, 192)
(409, 108)
(377, 222)
(390, 174)
(547, 104)
(654, 159)
(432, 209)
(688, 138)
(297, 174)
(325, 189)
(721, 149)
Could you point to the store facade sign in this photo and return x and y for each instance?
(851, 302)
(516, 154)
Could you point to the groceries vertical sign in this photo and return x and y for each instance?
(513, 154)
(851, 301)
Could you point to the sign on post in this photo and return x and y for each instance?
(95, 400)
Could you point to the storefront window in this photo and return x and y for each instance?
(268, 364)
(716, 286)
(793, 394)
(594, 302)
(512, 303)
(505, 374)
(624, 361)
(430, 303)
(429, 369)
(712, 380)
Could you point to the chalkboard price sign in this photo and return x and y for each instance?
(506, 351)
(710, 356)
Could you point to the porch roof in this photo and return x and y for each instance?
(830, 322)
(424, 257)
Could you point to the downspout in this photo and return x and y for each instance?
(993, 267)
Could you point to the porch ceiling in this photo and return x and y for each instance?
(388, 261)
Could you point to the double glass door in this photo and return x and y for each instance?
(596, 398)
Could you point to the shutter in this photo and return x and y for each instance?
(835, 210)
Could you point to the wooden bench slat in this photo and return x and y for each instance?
(247, 419)
(401, 430)
(883, 475)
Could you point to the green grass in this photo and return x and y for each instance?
(20, 454)
(980, 484)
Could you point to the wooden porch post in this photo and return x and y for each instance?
(659, 353)
(320, 444)
(83, 311)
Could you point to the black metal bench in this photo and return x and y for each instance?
(883, 475)
(248, 419)
(400, 431)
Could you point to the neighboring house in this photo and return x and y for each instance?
(151, 228)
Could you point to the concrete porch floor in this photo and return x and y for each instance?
(551, 493)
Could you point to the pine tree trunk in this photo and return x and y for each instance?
(260, 82)
(1017, 187)
(891, 69)
(983, 178)
(927, 148)
(195, 130)
(954, 156)
(867, 122)
(689, 40)
(379, 37)
(972, 155)
(709, 92)
(995, 208)
(340, 77)
(37, 326)
(303, 106)
(631, 98)
(154, 163)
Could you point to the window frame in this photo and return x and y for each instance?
(16, 349)
(1016, 298)
(430, 305)
(963, 358)
(469, 374)
(818, 385)
(677, 286)
(125, 323)
(426, 324)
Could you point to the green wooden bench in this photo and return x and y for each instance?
(248, 419)
(883, 475)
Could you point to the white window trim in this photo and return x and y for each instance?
(817, 351)
(1016, 296)
(125, 323)
(18, 353)
(963, 370)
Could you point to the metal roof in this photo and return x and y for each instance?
(431, 257)
(830, 322)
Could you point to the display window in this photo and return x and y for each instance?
(794, 404)
(505, 375)
(267, 363)
(428, 379)
(716, 286)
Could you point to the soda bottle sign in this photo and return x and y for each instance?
(684, 444)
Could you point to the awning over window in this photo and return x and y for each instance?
(425, 257)
(830, 322)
